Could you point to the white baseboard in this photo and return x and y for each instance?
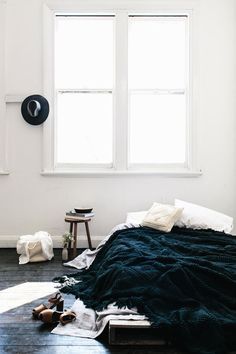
(10, 241)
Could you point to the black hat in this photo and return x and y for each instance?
(35, 109)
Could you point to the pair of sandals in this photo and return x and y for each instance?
(46, 314)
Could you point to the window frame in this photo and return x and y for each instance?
(121, 165)
(3, 120)
(170, 91)
(88, 90)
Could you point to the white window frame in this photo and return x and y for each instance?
(120, 151)
(80, 166)
(170, 166)
(3, 123)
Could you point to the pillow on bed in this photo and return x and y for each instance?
(135, 217)
(162, 216)
(198, 217)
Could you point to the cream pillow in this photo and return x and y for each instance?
(162, 217)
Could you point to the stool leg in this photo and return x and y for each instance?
(71, 230)
(75, 239)
(88, 235)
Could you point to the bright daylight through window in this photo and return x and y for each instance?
(157, 86)
(154, 78)
(84, 83)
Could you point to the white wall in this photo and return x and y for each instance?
(30, 202)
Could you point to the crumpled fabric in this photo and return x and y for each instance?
(25, 242)
(90, 323)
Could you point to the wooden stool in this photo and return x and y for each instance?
(73, 230)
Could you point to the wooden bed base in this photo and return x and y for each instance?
(131, 332)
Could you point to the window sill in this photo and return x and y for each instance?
(101, 173)
(4, 173)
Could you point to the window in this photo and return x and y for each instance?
(84, 87)
(157, 89)
(121, 92)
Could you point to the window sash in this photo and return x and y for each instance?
(83, 90)
(82, 165)
(160, 91)
(151, 165)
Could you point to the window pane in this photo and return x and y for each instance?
(84, 52)
(157, 128)
(157, 52)
(84, 128)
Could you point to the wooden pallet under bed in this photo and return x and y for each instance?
(134, 332)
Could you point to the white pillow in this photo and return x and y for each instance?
(135, 217)
(162, 216)
(198, 217)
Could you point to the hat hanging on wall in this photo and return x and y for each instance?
(35, 109)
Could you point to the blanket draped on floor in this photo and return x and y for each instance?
(183, 281)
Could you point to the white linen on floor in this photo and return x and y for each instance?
(90, 323)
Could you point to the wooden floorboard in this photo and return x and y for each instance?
(19, 333)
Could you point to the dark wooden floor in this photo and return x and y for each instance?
(19, 333)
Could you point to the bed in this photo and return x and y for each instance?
(183, 282)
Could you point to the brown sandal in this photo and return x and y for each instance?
(54, 301)
(67, 316)
(50, 316)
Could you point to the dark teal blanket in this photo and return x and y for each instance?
(183, 281)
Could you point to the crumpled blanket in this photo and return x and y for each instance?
(90, 323)
(184, 282)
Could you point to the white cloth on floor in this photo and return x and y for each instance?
(35, 248)
(90, 323)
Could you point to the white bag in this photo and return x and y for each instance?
(35, 248)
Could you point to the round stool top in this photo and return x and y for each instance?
(76, 219)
